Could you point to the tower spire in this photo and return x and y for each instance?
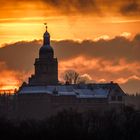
(46, 66)
(46, 36)
(46, 26)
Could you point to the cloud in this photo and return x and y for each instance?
(131, 8)
(96, 7)
(103, 37)
(73, 6)
(66, 7)
(10, 79)
(126, 35)
(99, 68)
(126, 80)
(62, 6)
(116, 48)
(20, 55)
(132, 86)
(116, 59)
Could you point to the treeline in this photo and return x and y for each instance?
(111, 125)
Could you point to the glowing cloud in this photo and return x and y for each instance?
(10, 79)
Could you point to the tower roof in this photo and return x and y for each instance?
(46, 51)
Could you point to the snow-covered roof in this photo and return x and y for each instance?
(80, 91)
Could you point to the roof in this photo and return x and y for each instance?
(80, 91)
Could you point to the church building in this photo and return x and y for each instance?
(46, 66)
(44, 96)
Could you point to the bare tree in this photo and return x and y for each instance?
(71, 77)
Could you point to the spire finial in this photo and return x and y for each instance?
(46, 36)
(46, 25)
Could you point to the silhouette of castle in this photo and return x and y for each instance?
(46, 66)
(43, 96)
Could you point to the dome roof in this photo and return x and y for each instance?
(46, 51)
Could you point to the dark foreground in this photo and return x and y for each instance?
(72, 125)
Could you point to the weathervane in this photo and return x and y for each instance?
(46, 26)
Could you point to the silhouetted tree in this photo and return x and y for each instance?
(71, 76)
(69, 124)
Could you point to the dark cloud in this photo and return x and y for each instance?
(84, 7)
(116, 48)
(132, 86)
(137, 37)
(97, 7)
(21, 55)
(131, 8)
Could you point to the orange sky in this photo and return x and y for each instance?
(75, 20)
(77, 28)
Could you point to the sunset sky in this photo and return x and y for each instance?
(97, 38)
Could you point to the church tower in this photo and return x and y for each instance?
(46, 66)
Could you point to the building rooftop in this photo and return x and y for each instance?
(80, 91)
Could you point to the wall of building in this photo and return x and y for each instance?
(40, 106)
(133, 101)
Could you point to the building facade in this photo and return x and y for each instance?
(43, 96)
(46, 66)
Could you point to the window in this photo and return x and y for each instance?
(113, 98)
(119, 98)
